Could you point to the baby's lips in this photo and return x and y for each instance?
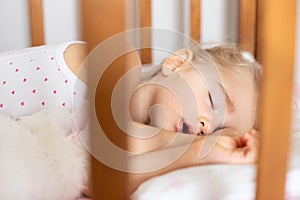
(179, 126)
(191, 129)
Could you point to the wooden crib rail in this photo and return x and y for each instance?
(145, 21)
(195, 19)
(267, 28)
(248, 25)
(276, 52)
(270, 35)
(145, 16)
(36, 22)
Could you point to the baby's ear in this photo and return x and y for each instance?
(174, 62)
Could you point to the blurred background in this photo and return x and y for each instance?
(62, 20)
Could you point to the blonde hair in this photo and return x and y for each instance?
(231, 58)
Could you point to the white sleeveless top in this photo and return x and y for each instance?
(37, 78)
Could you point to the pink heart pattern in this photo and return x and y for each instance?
(34, 81)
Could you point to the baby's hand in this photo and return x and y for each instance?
(232, 148)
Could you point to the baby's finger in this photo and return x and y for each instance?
(253, 132)
(252, 146)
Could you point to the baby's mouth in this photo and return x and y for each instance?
(184, 127)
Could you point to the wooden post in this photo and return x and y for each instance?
(36, 22)
(146, 21)
(195, 19)
(102, 19)
(275, 50)
(248, 25)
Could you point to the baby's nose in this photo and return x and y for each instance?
(204, 126)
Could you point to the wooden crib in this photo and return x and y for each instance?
(266, 25)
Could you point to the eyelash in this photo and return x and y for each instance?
(211, 101)
(218, 129)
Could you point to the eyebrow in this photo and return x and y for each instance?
(229, 103)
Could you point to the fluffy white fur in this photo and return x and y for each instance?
(37, 159)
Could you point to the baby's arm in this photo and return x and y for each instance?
(226, 149)
(74, 56)
(238, 149)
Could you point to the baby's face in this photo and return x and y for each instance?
(227, 102)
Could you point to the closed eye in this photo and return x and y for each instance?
(218, 129)
(211, 101)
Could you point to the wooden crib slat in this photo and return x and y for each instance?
(195, 19)
(102, 19)
(276, 44)
(146, 21)
(248, 25)
(36, 22)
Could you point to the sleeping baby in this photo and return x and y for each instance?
(42, 156)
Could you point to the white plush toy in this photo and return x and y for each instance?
(40, 158)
